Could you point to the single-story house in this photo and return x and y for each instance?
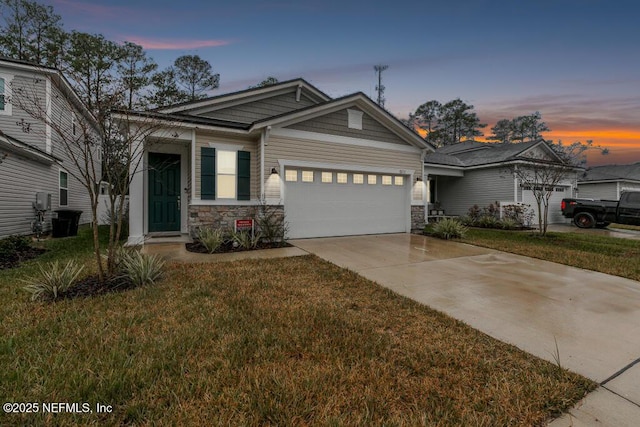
(476, 173)
(36, 161)
(609, 181)
(333, 167)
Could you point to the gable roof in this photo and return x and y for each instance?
(58, 79)
(474, 153)
(612, 173)
(185, 114)
(246, 95)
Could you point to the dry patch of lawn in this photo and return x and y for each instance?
(294, 341)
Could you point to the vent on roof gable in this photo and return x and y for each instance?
(354, 119)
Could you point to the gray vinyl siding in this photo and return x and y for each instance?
(253, 147)
(35, 90)
(257, 110)
(292, 149)
(605, 190)
(336, 123)
(478, 187)
(629, 186)
(22, 178)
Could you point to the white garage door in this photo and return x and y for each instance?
(555, 214)
(322, 203)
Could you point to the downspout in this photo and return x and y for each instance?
(425, 183)
(264, 140)
(515, 183)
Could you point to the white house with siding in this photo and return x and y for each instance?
(334, 167)
(476, 173)
(35, 160)
(608, 182)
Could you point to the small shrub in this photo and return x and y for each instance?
(245, 240)
(489, 221)
(467, 220)
(449, 229)
(211, 238)
(492, 210)
(474, 213)
(142, 269)
(13, 245)
(509, 224)
(272, 224)
(53, 280)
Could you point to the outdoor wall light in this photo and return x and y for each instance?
(274, 171)
(418, 179)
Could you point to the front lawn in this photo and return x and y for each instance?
(620, 257)
(295, 341)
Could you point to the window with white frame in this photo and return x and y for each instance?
(307, 176)
(291, 175)
(5, 105)
(74, 124)
(64, 188)
(327, 177)
(341, 178)
(398, 180)
(372, 179)
(2, 95)
(354, 119)
(226, 170)
(386, 179)
(358, 178)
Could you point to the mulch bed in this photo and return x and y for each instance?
(228, 247)
(16, 258)
(91, 286)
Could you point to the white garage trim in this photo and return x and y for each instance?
(322, 209)
(351, 168)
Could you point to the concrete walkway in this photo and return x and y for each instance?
(594, 317)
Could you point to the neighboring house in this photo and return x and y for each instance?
(476, 173)
(36, 162)
(609, 181)
(334, 167)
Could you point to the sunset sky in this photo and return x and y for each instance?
(577, 62)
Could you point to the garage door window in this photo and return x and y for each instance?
(372, 179)
(327, 177)
(386, 180)
(291, 175)
(358, 178)
(398, 180)
(307, 176)
(341, 178)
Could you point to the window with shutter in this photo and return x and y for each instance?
(208, 173)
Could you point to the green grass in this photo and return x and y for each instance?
(294, 341)
(620, 257)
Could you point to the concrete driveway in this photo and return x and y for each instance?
(594, 317)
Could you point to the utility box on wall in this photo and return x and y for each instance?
(43, 201)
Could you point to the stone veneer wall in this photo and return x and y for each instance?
(417, 218)
(222, 216)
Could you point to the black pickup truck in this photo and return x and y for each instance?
(588, 213)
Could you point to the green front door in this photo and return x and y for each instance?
(164, 192)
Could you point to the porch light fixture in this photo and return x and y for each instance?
(418, 179)
(274, 171)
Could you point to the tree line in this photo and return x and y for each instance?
(104, 73)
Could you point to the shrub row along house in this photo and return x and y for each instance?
(33, 158)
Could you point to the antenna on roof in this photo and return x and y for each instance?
(380, 88)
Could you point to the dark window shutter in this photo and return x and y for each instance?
(244, 175)
(208, 173)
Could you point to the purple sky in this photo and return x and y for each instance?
(576, 61)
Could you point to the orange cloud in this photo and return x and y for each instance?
(172, 44)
